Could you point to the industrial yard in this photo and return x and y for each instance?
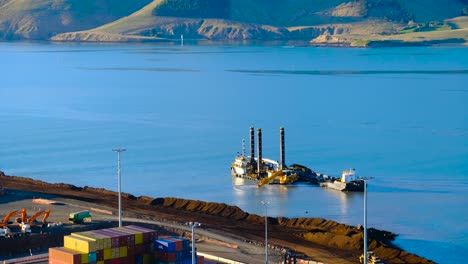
(226, 231)
(34, 246)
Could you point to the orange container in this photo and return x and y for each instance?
(60, 255)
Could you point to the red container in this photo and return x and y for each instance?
(100, 255)
(139, 249)
(125, 238)
(166, 256)
(200, 260)
(178, 242)
(131, 251)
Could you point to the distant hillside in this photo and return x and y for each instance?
(41, 19)
(338, 22)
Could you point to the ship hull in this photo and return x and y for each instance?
(354, 186)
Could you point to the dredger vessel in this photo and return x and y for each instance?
(261, 171)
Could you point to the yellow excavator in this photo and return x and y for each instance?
(269, 178)
(285, 177)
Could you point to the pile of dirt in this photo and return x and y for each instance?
(301, 234)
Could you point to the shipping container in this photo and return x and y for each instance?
(165, 245)
(61, 255)
(100, 255)
(126, 235)
(138, 235)
(200, 260)
(123, 252)
(115, 238)
(139, 249)
(92, 257)
(147, 259)
(107, 253)
(124, 238)
(178, 242)
(165, 256)
(149, 235)
(84, 258)
(79, 244)
(101, 241)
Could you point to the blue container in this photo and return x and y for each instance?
(164, 245)
(92, 257)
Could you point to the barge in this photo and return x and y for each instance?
(261, 171)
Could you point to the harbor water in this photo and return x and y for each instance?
(397, 114)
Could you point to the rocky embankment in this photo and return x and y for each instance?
(299, 234)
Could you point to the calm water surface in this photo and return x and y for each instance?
(397, 114)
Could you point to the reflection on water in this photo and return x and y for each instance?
(346, 200)
(248, 196)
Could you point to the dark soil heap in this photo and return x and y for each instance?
(298, 234)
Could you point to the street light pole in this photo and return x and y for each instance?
(265, 204)
(118, 184)
(365, 222)
(193, 225)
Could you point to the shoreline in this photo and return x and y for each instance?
(320, 239)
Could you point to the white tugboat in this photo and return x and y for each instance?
(348, 182)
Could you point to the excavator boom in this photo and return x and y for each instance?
(32, 219)
(270, 178)
(14, 213)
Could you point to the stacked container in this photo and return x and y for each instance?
(129, 244)
(173, 250)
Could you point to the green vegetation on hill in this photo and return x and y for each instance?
(194, 8)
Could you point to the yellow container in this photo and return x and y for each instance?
(106, 239)
(100, 262)
(84, 258)
(90, 236)
(122, 252)
(79, 244)
(107, 253)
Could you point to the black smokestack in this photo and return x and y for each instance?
(282, 150)
(259, 150)
(252, 145)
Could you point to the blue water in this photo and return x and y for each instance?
(397, 114)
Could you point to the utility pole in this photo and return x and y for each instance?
(118, 183)
(365, 222)
(193, 225)
(265, 204)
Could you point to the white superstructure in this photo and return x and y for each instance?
(348, 175)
